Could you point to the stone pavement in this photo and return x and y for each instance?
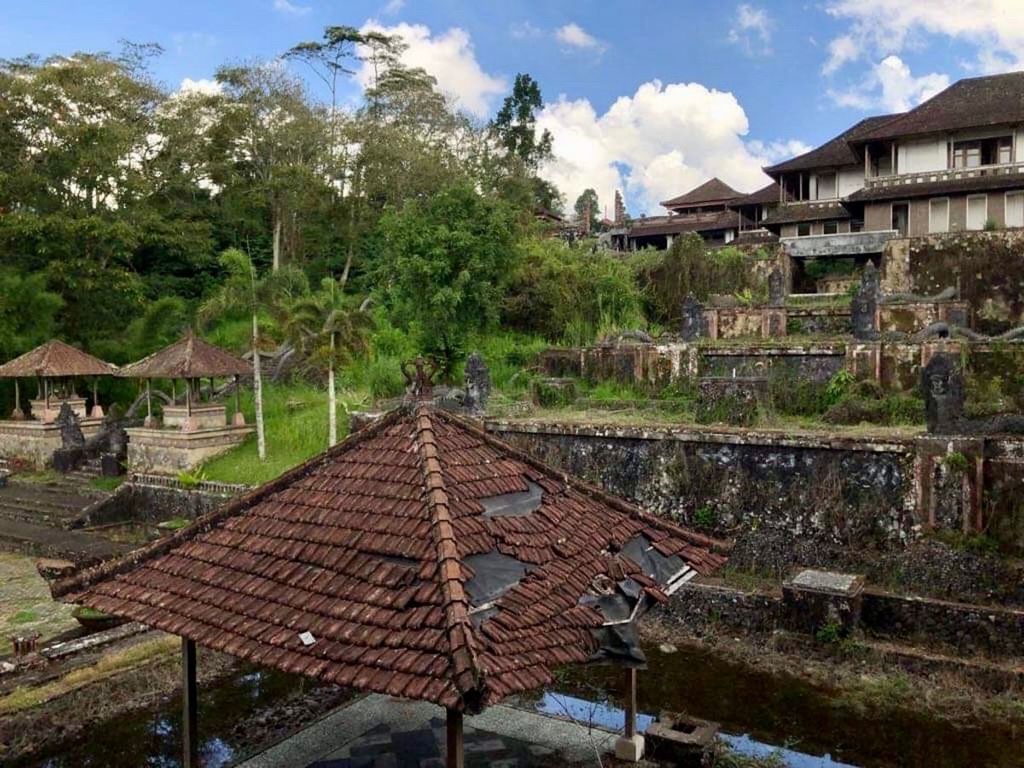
(381, 732)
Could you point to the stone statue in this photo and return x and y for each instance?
(693, 324)
(942, 385)
(70, 432)
(864, 306)
(477, 384)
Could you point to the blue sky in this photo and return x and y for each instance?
(651, 98)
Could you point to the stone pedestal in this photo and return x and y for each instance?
(630, 748)
(238, 420)
(35, 442)
(814, 600)
(170, 451)
(49, 415)
(206, 416)
(553, 393)
(680, 740)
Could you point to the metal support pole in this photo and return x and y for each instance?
(456, 752)
(189, 703)
(630, 702)
(17, 397)
(149, 400)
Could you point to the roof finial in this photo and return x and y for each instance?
(419, 379)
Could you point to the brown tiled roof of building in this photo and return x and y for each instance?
(711, 191)
(834, 153)
(973, 102)
(676, 225)
(389, 551)
(55, 358)
(188, 358)
(765, 196)
(964, 185)
(793, 213)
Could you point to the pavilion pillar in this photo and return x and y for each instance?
(189, 706)
(456, 752)
(149, 423)
(239, 419)
(630, 746)
(18, 414)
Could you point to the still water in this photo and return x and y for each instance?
(760, 713)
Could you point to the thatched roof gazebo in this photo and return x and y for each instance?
(49, 361)
(420, 558)
(191, 359)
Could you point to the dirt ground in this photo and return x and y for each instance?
(25, 604)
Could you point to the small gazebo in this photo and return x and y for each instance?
(54, 365)
(420, 558)
(190, 359)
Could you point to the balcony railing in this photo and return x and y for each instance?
(946, 174)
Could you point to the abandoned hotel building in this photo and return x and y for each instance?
(953, 163)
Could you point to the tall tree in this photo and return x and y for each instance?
(442, 266)
(515, 125)
(271, 142)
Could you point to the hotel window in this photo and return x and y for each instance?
(977, 211)
(803, 229)
(831, 227)
(971, 154)
(826, 188)
(938, 215)
(1015, 209)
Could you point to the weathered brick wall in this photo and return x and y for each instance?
(835, 492)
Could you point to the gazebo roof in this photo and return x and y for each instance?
(421, 558)
(55, 358)
(188, 358)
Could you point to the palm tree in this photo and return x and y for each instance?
(328, 331)
(243, 291)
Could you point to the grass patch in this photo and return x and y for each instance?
(107, 483)
(24, 616)
(89, 614)
(296, 427)
(174, 524)
(21, 699)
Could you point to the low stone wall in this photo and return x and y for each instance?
(169, 451)
(968, 629)
(814, 362)
(33, 442)
(145, 501)
(840, 493)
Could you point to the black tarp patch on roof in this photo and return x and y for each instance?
(516, 504)
(656, 565)
(493, 575)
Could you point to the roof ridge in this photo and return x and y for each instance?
(587, 489)
(116, 565)
(458, 627)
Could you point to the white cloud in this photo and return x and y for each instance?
(841, 50)
(891, 86)
(753, 30)
(524, 30)
(882, 27)
(660, 142)
(290, 8)
(574, 36)
(448, 56)
(393, 7)
(203, 86)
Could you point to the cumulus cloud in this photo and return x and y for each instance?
(291, 9)
(448, 56)
(655, 144)
(393, 7)
(203, 86)
(574, 36)
(882, 27)
(753, 30)
(891, 86)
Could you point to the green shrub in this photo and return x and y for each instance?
(829, 633)
(705, 517)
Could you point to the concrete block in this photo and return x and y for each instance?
(813, 600)
(631, 750)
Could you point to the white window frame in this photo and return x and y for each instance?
(967, 213)
(1006, 207)
(931, 224)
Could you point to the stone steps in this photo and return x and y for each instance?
(80, 547)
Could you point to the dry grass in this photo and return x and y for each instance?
(113, 663)
(26, 607)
